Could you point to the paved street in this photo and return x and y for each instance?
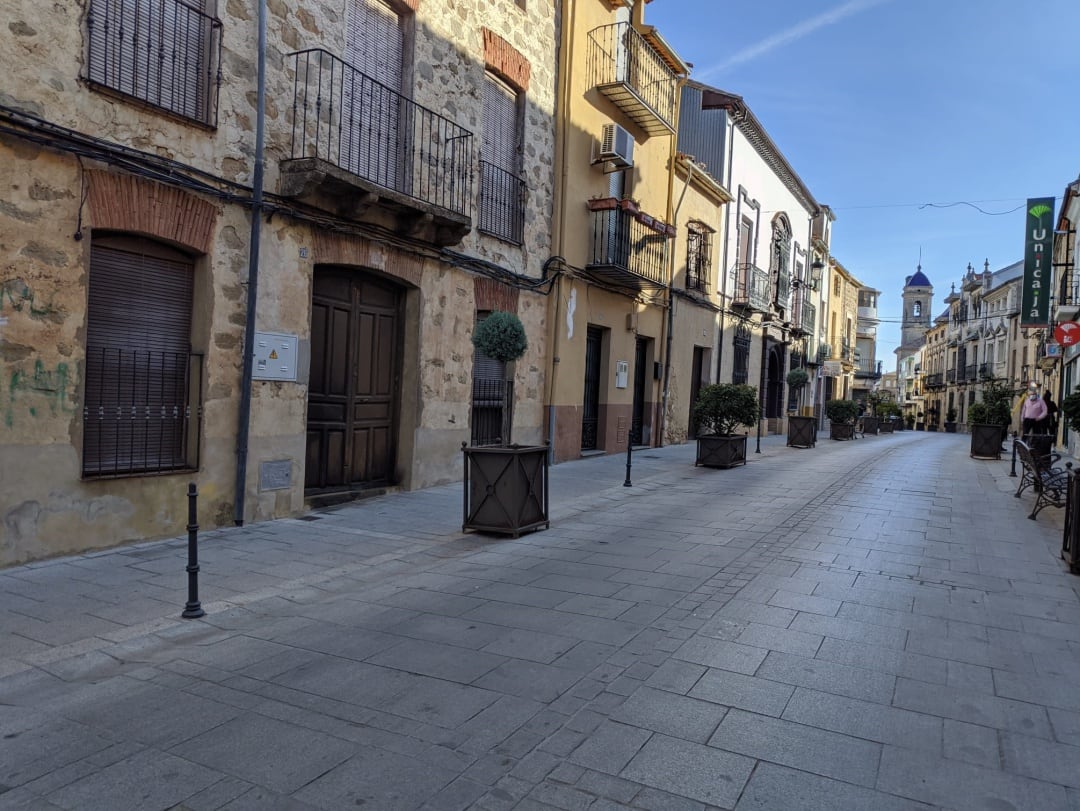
(869, 624)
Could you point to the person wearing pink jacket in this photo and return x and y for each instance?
(1032, 413)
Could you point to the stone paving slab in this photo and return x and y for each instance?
(867, 624)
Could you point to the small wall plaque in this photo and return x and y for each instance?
(276, 475)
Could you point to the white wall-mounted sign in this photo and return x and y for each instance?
(832, 368)
(622, 373)
(275, 356)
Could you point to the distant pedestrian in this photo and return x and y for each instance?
(1033, 413)
(1050, 422)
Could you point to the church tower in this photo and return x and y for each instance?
(918, 302)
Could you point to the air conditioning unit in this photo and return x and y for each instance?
(616, 146)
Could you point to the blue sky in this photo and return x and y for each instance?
(884, 105)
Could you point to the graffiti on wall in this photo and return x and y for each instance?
(42, 386)
(17, 296)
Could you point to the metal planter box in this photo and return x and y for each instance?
(985, 441)
(721, 451)
(841, 430)
(506, 489)
(886, 427)
(870, 425)
(801, 432)
(1070, 537)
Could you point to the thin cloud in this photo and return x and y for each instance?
(796, 32)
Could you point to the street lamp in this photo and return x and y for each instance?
(816, 269)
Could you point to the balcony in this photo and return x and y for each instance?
(1068, 303)
(986, 371)
(950, 376)
(803, 314)
(634, 76)
(502, 204)
(870, 371)
(935, 380)
(751, 288)
(627, 252)
(368, 153)
(847, 351)
(971, 372)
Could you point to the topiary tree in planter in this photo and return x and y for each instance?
(888, 413)
(950, 420)
(506, 487)
(802, 432)
(842, 415)
(719, 410)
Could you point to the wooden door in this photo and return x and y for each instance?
(353, 388)
(590, 418)
(637, 417)
(695, 387)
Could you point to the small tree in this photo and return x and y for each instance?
(797, 380)
(501, 336)
(842, 412)
(722, 407)
(1070, 409)
(950, 414)
(997, 395)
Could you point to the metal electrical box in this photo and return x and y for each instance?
(275, 356)
(622, 373)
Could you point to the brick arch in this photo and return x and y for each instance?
(492, 294)
(120, 202)
(329, 248)
(504, 59)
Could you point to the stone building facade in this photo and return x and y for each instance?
(408, 182)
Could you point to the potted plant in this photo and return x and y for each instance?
(871, 423)
(842, 415)
(985, 434)
(920, 424)
(909, 422)
(603, 203)
(887, 413)
(719, 410)
(802, 431)
(950, 420)
(506, 486)
(933, 413)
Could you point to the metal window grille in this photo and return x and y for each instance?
(741, 370)
(142, 412)
(502, 204)
(698, 259)
(165, 53)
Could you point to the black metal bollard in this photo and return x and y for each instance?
(1012, 468)
(629, 450)
(193, 609)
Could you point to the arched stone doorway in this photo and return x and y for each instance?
(774, 387)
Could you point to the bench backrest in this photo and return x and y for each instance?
(1037, 463)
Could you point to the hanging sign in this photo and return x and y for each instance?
(1038, 247)
(1067, 333)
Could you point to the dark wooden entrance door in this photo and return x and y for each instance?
(353, 390)
(590, 416)
(695, 387)
(637, 418)
(774, 386)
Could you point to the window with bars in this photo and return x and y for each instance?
(698, 257)
(142, 398)
(165, 53)
(741, 358)
(492, 398)
(502, 190)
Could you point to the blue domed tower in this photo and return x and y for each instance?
(918, 302)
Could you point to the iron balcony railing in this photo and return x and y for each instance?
(1069, 288)
(633, 75)
(935, 380)
(950, 376)
(142, 412)
(986, 370)
(847, 352)
(620, 241)
(751, 288)
(502, 204)
(164, 53)
(824, 353)
(698, 260)
(809, 315)
(350, 120)
(971, 373)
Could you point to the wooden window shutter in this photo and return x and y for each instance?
(500, 124)
(375, 42)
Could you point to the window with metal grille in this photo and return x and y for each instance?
(492, 398)
(698, 257)
(142, 399)
(166, 53)
(741, 359)
(502, 190)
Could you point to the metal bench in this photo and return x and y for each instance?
(1049, 483)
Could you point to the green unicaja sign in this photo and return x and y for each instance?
(1038, 253)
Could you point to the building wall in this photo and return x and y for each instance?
(46, 507)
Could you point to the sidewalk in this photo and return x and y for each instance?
(865, 624)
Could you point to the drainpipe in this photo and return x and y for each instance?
(672, 217)
(244, 426)
(727, 233)
(558, 214)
